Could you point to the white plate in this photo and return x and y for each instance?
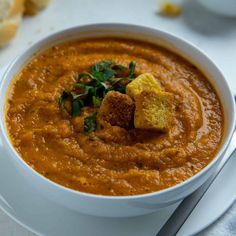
(44, 217)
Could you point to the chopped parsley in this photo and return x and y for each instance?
(90, 123)
(91, 87)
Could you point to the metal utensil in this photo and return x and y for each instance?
(182, 212)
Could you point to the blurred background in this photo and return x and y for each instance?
(209, 31)
(213, 33)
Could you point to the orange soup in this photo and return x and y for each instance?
(67, 123)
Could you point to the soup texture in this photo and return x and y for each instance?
(112, 159)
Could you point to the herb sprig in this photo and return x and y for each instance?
(76, 102)
(90, 123)
(92, 86)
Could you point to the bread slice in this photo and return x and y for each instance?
(10, 8)
(16, 8)
(10, 18)
(32, 7)
(8, 29)
(11, 13)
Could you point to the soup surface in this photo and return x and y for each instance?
(112, 160)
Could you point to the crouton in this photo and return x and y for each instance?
(143, 82)
(170, 9)
(117, 109)
(153, 110)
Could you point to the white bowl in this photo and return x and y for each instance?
(119, 206)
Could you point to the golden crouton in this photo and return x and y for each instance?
(143, 82)
(170, 9)
(117, 109)
(153, 110)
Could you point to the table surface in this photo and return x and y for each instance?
(215, 35)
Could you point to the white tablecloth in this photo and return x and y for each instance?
(215, 35)
(225, 226)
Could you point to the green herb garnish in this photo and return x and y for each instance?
(96, 101)
(76, 102)
(76, 107)
(132, 67)
(92, 86)
(90, 123)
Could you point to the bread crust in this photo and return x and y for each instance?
(17, 8)
(32, 7)
(8, 29)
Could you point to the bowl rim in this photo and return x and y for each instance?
(11, 150)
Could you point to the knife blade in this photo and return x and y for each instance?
(186, 207)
